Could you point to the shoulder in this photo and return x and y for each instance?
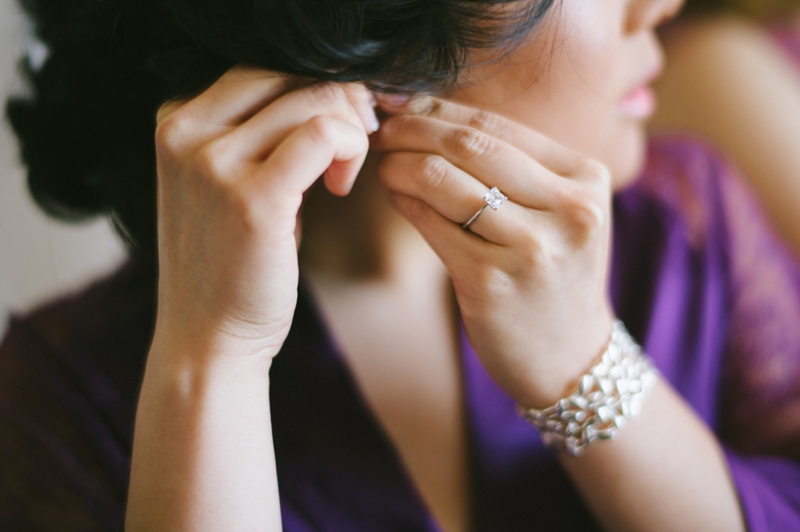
(71, 319)
(695, 248)
(697, 192)
(714, 37)
(94, 339)
(717, 65)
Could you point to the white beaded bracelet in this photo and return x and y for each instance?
(608, 396)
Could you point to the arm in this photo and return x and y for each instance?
(233, 165)
(757, 427)
(541, 260)
(203, 456)
(729, 82)
(667, 471)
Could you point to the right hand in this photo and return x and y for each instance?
(233, 165)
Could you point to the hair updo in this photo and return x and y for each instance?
(86, 130)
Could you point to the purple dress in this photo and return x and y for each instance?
(788, 39)
(698, 276)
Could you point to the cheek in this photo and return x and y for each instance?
(562, 83)
(566, 84)
(581, 80)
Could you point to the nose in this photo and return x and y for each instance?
(647, 14)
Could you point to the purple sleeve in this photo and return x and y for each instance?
(742, 375)
(760, 400)
(769, 491)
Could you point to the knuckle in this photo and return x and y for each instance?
(532, 247)
(469, 143)
(586, 215)
(212, 161)
(534, 256)
(596, 172)
(432, 172)
(172, 134)
(167, 109)
(321, 129)
(485, 121)
(242, 209)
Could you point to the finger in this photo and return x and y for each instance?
(454, 194)
(550, 154)
(256, 138)
(183, 126)
(307, 153)
(455, 247)
(239, 94)
(364, 103)
(492, 161)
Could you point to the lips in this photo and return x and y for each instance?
(639, 103)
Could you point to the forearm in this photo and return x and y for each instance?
(203, 456)
(666, 471)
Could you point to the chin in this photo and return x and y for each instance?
(627, 157)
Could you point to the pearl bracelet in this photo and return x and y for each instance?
(608, 396)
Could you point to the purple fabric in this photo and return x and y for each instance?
(698, 276)
(788, 39)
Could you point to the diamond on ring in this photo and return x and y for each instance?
(494, 198)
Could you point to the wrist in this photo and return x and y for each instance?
(606, 397)
(211, 342)
(559, 375)
(208, 353)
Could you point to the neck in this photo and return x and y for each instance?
(362, 238)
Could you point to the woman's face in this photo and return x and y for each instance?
(583, 80)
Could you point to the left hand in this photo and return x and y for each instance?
(531, 277)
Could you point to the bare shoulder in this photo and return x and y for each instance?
(729, 81)
(716, 38)
(719, 65)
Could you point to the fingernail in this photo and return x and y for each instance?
(373, 118)
(393, 101)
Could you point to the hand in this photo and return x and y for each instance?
(531, 277)
(233, 164)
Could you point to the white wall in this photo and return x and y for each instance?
(39, 258)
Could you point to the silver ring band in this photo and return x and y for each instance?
(466, 224)
(494, 198)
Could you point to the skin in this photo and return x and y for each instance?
(529, 279)
(729, 82)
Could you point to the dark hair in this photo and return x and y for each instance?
(86, 130)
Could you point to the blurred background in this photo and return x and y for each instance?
(39, 258)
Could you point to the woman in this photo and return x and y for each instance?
(734, 78)
(381, 413)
